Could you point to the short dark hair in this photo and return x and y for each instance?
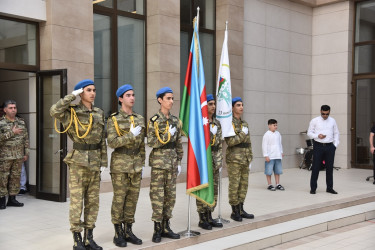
(325, 108)
(6, 103)
(161, 96)
(272, 121)
(122, 96)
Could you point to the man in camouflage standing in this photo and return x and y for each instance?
(204, 211)
(14, 149)
(164, 137)
(126, 134)
(84, 124)
(238, 158)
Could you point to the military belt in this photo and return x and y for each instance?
(81, 146)
(170, 145)
(242, 145)
(127, 151)
(214, 148)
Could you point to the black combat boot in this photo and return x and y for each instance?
(119, 239)
(12, 202)
(156, 237)
(244, 214)
(203, 222)
(2, 202)
(212, 222)
(236, 213)
(167, 231)
(78, 244)
(129, 236)
(89, 242)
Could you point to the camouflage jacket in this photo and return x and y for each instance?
(217, 155)
(239, 146)
(129, 154)
(162, 156)
(92, 159)
(13, 146)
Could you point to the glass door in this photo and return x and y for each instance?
(51, 180)
(365, 118)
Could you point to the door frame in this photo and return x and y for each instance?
(61, 197)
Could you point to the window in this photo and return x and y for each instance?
(207, 17)
(119, 44)
(364, 46)
(18, 44)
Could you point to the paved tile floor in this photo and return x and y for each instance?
(353, 237)
(44, 225)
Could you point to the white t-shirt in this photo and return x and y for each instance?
(271, 145)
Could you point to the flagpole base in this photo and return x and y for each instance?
(221, 220)
(189, 233)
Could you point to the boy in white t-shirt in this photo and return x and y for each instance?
(273, 153)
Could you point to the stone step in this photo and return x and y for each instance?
(261, 231)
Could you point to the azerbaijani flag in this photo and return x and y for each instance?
(195, 124)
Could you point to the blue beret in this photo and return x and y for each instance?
(210, 97)
(163, 91)
(123, 89)
(236, 99)
(83, 84)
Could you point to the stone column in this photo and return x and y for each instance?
(163, 51)
(66, 39)
(233, 12)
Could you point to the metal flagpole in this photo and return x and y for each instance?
(220, 219)
(189, 232)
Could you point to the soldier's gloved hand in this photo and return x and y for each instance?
(213, 129)
(250, 166)
(135, 130)
(102, 169)
(178, 170)
(220, 169)
(245, 130)
(77, 92)
(172, 130)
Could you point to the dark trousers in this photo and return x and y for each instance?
(322, 152)
(373, 160)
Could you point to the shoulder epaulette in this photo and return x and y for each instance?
(154, 118)
(116, 113)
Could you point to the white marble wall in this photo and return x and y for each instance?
(277, 73)
(331, 69)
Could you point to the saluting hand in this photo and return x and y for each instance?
(16, 130)
(77, 92)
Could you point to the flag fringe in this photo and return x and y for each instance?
(191, 190)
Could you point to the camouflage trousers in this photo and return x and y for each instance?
(162, 193)
(201, 207)
(10, 175)
(238, 176)
(84, 189)
(125, 196)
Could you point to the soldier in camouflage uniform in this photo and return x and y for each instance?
(238, 158)
(126, 134)
(204, 211)
(84, 125)
(164, 137)
(14, 149)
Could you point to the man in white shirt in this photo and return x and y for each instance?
(323, 129)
